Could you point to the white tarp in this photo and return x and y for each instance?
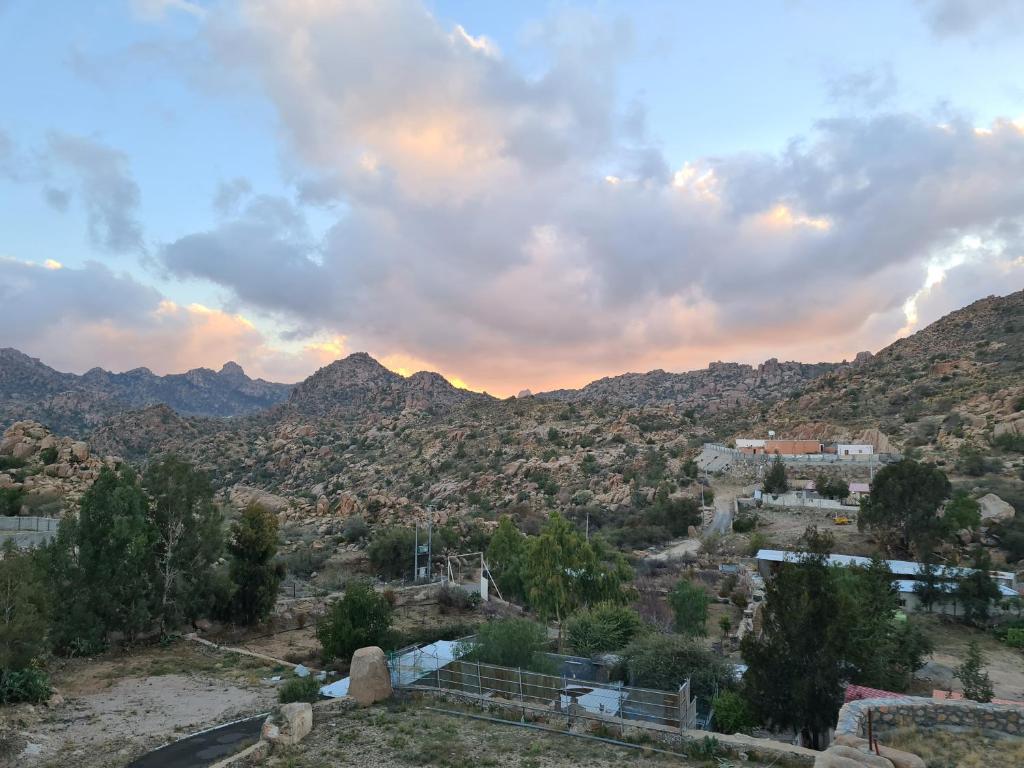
(409, 667)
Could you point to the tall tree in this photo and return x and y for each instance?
(189, 539)
(903, 504)
(929, 587)
(23, 608)
(795, 670)
(505, 555)
(115, 553)
(977, 591)
(690, 604)
(254, 573)
(973, 678)
(775, 480)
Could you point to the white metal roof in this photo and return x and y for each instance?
(898, 567)
(907, 585)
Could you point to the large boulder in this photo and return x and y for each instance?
(289, 724)
(994, 509)
(897, 757)
(369, 678)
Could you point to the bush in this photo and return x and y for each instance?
(512, 643)
(48, 455)
(690, 604)
(605, 627)
(744, 524)
(455, 630)
(11, 500)
(1015, 637)
(355, 529)
(457, 598)
(299, 689)
(361, 618)
(390, 552)
(732, 713)
(758, 541)
(664, 662)
(9, 462)
(24, 685)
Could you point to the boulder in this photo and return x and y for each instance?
(861, 756)
(289, 724)
(23, 450)
(80, 451)
(994, 509)
(369, 678)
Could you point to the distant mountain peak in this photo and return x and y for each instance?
(231, 368)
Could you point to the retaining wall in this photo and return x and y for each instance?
(890, 714)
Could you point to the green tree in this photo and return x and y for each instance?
(603, 627)
(775, 481)
(972, 675)
(115, 542)
(74, 629)
(902, 506)
(831, 486)
(391, 552)
(24, 609)
(505, 555)
(733, 713)
(254, 574)
(189, 540)
(961, 512)
(690, 605)
(665, 662)
(360, 618)
(977, 591)
(929, 587)
(795, 669)
(511, 643)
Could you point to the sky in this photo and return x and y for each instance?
(517, 195)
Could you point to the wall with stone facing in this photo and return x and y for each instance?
(889, 714)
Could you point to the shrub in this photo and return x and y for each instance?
(457, 598)
(11, 500)
(24, 685)
(690, 604)
(664, 662)
(48, 455)
(1015, 637)
(9, 462)
(299, 689)
(512, 643)
(744, 524)
(361, 618)
(390, 552)
(355, 529)
(758, 541)
(732, 713)
(605, 627)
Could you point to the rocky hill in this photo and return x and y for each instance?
(720, 386)
(75, 404)
(358, 383)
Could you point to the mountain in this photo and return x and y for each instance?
(960, 379)
(718, 387)
(73, 404)
(359, 383)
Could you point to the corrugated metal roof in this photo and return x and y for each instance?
(898, 567)
(907, 585)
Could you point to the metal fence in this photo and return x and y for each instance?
(38, 524)
(543, 695)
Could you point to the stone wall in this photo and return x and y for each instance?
(889, 714)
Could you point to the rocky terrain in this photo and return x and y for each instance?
(356, 439)
(74, 404)
(720, 386)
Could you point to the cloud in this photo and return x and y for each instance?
(106, 189)
(948, 18)
(518, 231)
(77, 318)
(869, 88)
(230, 194)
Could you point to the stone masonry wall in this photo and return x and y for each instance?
(889, 714)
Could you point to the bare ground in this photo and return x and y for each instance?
(117, 708)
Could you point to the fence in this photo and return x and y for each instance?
(545, 695)
(37, 524)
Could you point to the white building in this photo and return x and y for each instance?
(854, 449)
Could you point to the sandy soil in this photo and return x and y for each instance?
(118, 708)
(1005, 665)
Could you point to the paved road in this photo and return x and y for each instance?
(206, 747)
